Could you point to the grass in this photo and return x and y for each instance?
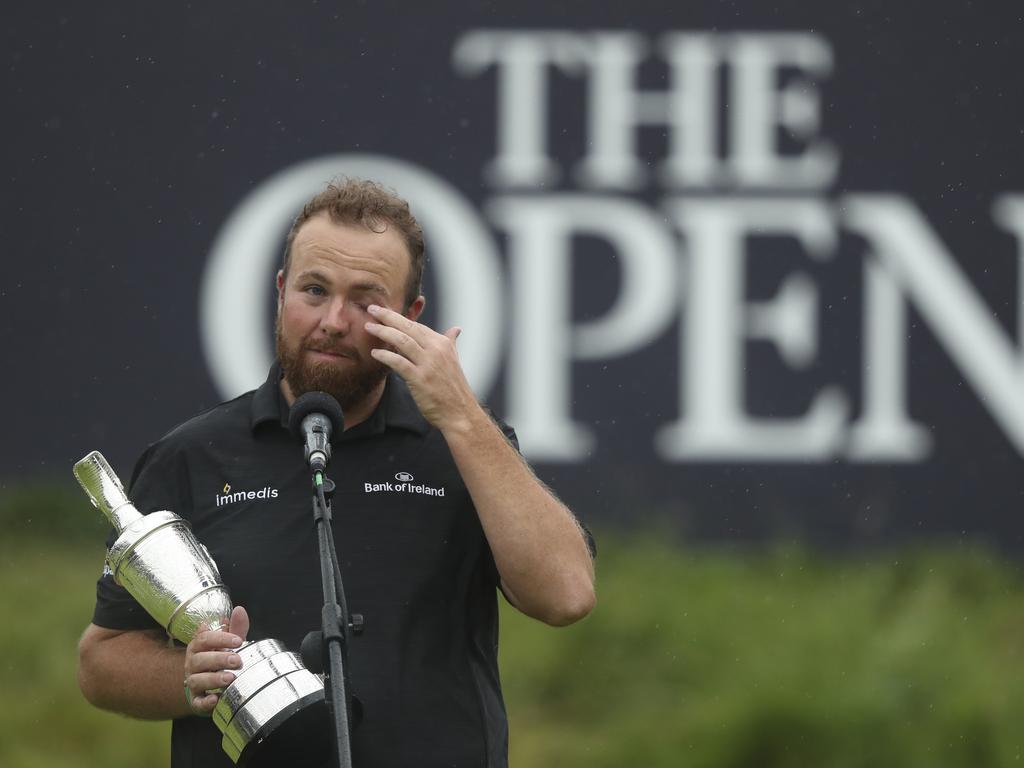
(697, 657)
(727, 660)
(46, 601)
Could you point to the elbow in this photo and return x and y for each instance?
(576, 604)
(89, 691)
(86, 681)
(557, 602)
(86, 675)
(90, 676)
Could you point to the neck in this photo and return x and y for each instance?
(355, 413)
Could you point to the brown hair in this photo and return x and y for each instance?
(374, 206)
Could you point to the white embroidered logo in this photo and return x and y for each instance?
(227, 497)
(404, 485)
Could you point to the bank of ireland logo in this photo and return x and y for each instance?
(404, 484)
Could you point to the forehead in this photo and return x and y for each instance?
(340, 247)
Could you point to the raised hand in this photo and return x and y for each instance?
(428, 362)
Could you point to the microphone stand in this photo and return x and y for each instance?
(334, 625)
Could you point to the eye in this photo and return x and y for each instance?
(314, 290)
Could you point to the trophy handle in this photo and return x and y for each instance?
(104, 489)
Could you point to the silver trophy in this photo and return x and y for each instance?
(274, 707)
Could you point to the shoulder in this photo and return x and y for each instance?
(231, 414)
(209, 426)
(223, 417)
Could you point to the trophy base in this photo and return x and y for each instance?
(300, 730)
(274, 710)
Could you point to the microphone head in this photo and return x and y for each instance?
(315, 402)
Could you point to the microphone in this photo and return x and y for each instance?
(314, 417)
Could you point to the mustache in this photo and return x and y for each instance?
(332, 349)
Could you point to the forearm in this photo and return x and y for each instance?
(541, 555)
(540, 551)
(133, 673)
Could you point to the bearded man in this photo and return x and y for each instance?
(423, 560)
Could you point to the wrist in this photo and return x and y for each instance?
(463, 424)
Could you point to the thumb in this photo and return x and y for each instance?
(239, 622)
(453, 333)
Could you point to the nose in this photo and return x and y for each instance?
(337, 317)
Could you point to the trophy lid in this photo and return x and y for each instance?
(104, 489)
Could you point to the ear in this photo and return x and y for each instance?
(280, 288)
(416, 308)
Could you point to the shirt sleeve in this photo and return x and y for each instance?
(157, 483)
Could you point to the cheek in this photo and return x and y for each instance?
(297, 322)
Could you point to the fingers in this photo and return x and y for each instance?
(209, 639)
(210, 660)
(213, 650)
(202, 683)
(400, 365)
(205, 703)
(394, 319)
(391, 318)
(401, 341)
(239, 624)
(203, 688)
(406, 336)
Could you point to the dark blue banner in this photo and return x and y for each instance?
(757, 271)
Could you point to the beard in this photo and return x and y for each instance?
(350, 385)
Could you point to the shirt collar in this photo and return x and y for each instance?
(396, 409)
(268, 403)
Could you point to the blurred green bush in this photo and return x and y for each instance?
(697, 657)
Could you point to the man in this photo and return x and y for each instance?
(434, 511)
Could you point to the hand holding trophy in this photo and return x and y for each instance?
(274, 706)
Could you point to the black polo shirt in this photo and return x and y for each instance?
(413, 557)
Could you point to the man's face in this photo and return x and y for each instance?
(337, 270)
